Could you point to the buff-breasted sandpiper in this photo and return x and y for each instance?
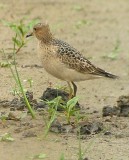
(63, 61)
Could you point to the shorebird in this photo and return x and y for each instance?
(64, 61)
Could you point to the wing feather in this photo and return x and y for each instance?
(75, 60)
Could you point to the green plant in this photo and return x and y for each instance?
(38, 156)
(81, 23)
(80, 116)
(30, 82)
(80, 152)
(16, 77)
(20, 30)
(70, 108)
(52, 112)
(77, 8)
(6, 137)
(62, 157)
(4, 64)
(115, 52)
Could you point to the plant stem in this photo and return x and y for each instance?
(19, 82)
(19, 48)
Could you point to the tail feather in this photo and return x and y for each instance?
(106, 74)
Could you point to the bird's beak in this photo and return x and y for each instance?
(29, 34)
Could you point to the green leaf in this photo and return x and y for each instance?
(39, 156)
(17, 42)
(72, 102)
(80, 23)
(62, 157)
(21, 30)
(78, 8)
(4, 64)
(6, 137)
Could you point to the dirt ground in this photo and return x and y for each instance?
(94, 27)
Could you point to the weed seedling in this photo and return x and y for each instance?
(70, 108)
(39, 156)
(19, 42)
(81, 23)
(20, 30)
(6, 137)
(52, 112)
(77, 8)
(4, 64)
(62, 157)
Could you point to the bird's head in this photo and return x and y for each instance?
(41, 31)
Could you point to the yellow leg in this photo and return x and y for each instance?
(70, 90)
(74, 88)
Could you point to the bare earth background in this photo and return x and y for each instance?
(100, 24)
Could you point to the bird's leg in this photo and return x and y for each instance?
(74, 88)
(70, 90)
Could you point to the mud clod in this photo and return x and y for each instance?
(19, 103)
(110, 111)
(107, 133)
(57, 127)
(91, 128)
(27, 134)
(122, 108)
(4, 103)
(50, 94)
(123, 104)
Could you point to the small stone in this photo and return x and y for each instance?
(91, 128)
(18, 130)
(56, 126)
(123, 104)
(13, 116)
(12, 109)
(110, 111)
(27, 134)
(107, 133)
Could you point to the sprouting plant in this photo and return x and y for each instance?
(70, 108)
(79, 116)
(17, 79)
(4, 64)
(6, 137)
(62, 157)
(81, 23)
(80, 152)
(3, 118)
(38, 156)
(30, 82)
(52, 111)
(17, 91)
(115, 52)
(20, 30)
(77, 8)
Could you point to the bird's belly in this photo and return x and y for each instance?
(60, 71)
(53, 65)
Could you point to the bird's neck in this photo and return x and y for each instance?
(47, 37)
